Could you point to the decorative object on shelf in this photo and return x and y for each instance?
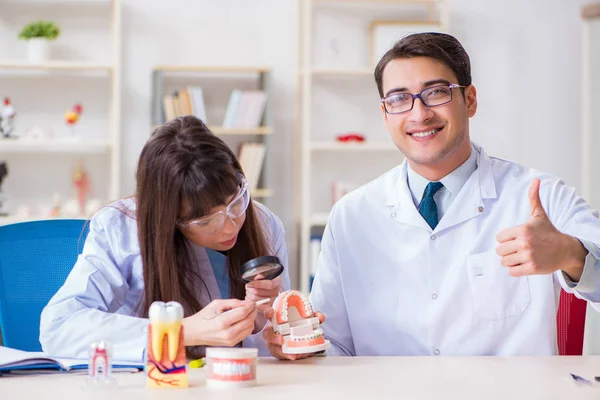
(340, 189)
(72, 117)
(38, 35)
(350, 137)
(22, 212)
(56, 207)
(384, 33)
(71, 208)
(7, 119)
(92, 206)
(37, 133)
(82, 185)
(3, 174)
(334, 46)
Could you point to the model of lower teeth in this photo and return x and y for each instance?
(295, 320)
(165, 352)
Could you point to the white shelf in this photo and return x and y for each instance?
(63, 66)
(15, 220)
(379, 1)
(341, 147)
(262, 193)
(12, 146)
(59, 2)
(261, 130)
(206, 68)
(341, 72)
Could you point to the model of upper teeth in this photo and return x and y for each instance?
(165, 320)
(291, 306)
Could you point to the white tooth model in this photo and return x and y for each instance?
(295, 320)
(165, 366)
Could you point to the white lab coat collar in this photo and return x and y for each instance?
(468, 204)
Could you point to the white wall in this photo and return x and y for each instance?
(526, 66)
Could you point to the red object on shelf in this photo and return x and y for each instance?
(350, 137)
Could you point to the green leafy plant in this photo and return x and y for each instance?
(40, 29)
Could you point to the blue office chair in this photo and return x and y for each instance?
(35, 259)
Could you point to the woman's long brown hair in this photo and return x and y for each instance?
(184, 161)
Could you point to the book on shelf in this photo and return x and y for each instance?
(25, 362)
(251, 157)
(185, 101)
(245, 109)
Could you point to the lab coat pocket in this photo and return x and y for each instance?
(496, 294)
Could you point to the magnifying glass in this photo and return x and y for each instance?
(268, 266)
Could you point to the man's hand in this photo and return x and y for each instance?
(537, 247)
(275, 341)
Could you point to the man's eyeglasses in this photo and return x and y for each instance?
(398, 103)
(215, 222)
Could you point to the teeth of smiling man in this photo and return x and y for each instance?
(165, 320)
(425, 134)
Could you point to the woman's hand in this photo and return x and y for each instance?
(260, 289)
(220, 323)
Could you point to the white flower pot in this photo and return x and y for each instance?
(39, 50)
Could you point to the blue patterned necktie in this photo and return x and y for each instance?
(428, 208)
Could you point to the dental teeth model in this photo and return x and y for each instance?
(165, 352)
(231, 367)
(295, 320)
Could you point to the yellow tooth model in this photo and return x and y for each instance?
(165, 352)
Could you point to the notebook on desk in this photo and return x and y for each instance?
(18, 361)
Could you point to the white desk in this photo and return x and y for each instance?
(397, 378)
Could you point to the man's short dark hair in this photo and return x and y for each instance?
(439, 46)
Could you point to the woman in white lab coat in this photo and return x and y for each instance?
(183, 237)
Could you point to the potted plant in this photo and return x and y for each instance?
(39, 34)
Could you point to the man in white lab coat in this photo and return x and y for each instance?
(453, 252)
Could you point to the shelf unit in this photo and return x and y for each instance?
(85, 67)
(18, 65)
(217, 82)
(338, 95)
(590, 141)
(54, 146)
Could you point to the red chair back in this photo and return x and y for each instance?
(570, 324)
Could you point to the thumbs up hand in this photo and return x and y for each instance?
(537, 247)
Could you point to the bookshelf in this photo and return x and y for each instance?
(590, 62)
(232, 101)
(338, 96)
(84, 67)
(590, 141)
